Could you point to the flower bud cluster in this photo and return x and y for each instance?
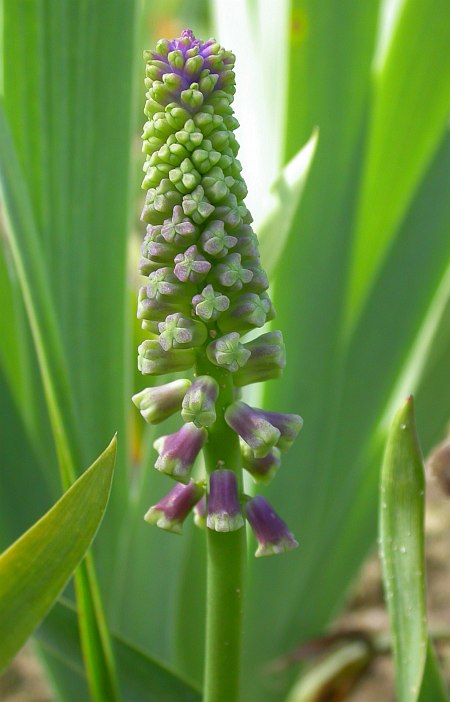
(205, 289)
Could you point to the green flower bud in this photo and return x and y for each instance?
(228, 352)
(159, 403)
(199, 401)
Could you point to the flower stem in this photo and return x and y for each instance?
(225, 562)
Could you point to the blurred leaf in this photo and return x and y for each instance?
(34, 570)
(69, 71)
(141, 677)
(27, 256)
(408, 120)
(402, 550)
(334, 675)
(286, 193)
(433, 687)
(36, 495)
(331, 48)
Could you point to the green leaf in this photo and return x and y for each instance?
(402, 550)
(34, 570)
(433, 687)
(409, 118)
(286, 193)
(141, 677)
(26, 252)
(29, 264)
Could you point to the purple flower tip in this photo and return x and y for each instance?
(171, 511)
(271, 532)
(224, 509)
(178, 451)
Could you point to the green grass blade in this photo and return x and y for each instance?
(26, 252)
(409, 118)
(30, 268)
(36, 495)
(142, 678)
(286, 193)
(402, 550)
(433, 687)
(34, 570)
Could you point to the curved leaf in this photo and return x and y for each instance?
(141, 677)
(402, 550)
(34, 570)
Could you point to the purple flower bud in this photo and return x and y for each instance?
(199, 401)
(171, 511)
(270, 531)
(153, 360)
(156, 404)
(252, 427)
(288, 425)
(200, 513)
(163, 283)
(246, 312)
(215, 240)
(267, 360)
(191, 266)
(209, 304)
(180, 332)
(153, 309)
(264, 469)
(228, 352)
(224, 509)
(179, 230)
(230, 273)
(178, 451)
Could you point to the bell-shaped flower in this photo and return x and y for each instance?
(263, 469)
(224, 509)
(272, 534)
(178, 451)
(171, 511)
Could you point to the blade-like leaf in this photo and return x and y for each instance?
(286, 193)
(402, 550)
(34, 570)
(401, 147)
(433, 687)
(30, 268)
(141, 677)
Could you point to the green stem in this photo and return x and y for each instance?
(226, 560)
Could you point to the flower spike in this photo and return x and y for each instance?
(204, 289)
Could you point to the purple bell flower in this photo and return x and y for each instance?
(263, 469)
(224, 509)
(252, 427)
(270, 531)
(262, 430)
(178, 451)
(171, 511)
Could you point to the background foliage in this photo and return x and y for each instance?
(361, 288)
